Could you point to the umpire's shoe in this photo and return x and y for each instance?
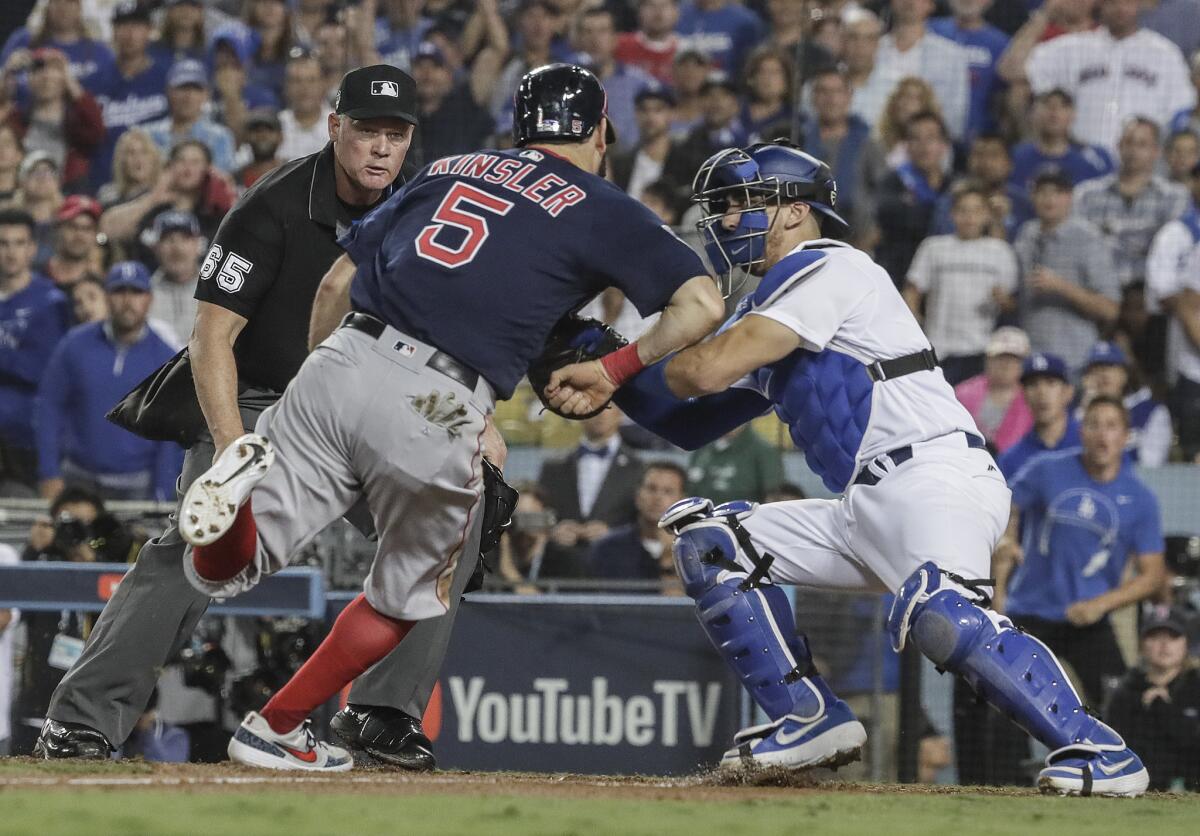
(387, 734)
(71, 740)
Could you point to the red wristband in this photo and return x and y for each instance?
(622, 364)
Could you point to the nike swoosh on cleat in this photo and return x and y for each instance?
(1116, 767)
(259, 453)
(308, 757)
(784, 738)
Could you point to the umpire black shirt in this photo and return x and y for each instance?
(267, 261)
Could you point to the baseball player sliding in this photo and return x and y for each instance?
(460, 276)
(828, 343)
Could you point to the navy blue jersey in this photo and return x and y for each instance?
(482, 253)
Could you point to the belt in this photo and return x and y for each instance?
(922, 361)
(902, 454)
(438, 361)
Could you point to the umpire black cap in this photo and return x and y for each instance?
(559, 102)
(377, 91)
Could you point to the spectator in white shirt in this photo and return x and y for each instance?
(1114, 72)
(177, 246)
(963, 281)
(304, 121)
(910, 49)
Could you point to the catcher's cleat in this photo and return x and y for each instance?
(211, 503)
(388, 734)
(71, 740)
(255, 743)
(1084, 769)
(834, 739)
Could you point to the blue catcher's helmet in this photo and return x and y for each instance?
(742, 182)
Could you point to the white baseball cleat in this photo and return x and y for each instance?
(211, 503)
(1085, 769)
(255, 743)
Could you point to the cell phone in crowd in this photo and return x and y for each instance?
(533, 522)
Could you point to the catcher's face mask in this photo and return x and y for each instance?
(734, 196)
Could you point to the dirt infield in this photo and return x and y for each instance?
(764, 784)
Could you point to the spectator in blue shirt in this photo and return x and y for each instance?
(92, 368)
(134, 91)
(640, 551)
(187, 96)
(1108, 372)
(62, 28)
(34, 314)
(723, 30)
(596, 39)
(1048, 394)
(1082, 516)
(984, 44)
(1050, 145)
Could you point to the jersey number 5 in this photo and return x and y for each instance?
(452, 212)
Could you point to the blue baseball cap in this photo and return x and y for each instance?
(128, 274)
(1041, 364)
(186, 72)
(655, 90)
(1105, 353)
(174, 220)
(429, 51)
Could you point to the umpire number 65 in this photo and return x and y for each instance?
(232, 274)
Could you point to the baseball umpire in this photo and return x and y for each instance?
(460, 277)
(256, 291)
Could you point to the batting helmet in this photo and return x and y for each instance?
(741, 182)
(557, 102)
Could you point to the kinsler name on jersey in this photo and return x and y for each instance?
(549, 191)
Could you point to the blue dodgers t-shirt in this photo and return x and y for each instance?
(726, 35)
(1078, 163)
(1016, 457)
(124, 103)
(480, 254)
(1077, 533)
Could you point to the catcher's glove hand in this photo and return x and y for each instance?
(573, 339)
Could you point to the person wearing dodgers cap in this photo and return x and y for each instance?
(1048, 392)
(994, 398)
(1109, 372)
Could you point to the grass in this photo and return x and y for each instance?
(161, 812)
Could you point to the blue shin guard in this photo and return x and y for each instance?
(1020, 677)
(748, 620)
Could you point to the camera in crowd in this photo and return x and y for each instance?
(533, 522)
(284, 645)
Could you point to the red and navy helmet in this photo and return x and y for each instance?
(559, 102)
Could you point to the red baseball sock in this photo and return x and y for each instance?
(360, 637)
(230, 554)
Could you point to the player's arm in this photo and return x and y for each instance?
(715, 365)
(332, 302)
(215, 370)
(1137, 586)
(693, 311)
(1005, 559)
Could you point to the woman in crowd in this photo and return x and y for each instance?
(59, 24)
(182, 34)
(88, 300)
(189, 183)
(272, 23)
(911, 96)
(767, 110)
(137, 166)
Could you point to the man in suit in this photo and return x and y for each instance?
(592, 489)
(641, 550)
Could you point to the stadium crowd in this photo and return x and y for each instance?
(1026, 171)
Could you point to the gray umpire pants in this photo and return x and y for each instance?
(154, 611)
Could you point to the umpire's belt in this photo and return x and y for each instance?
(438, 361)
(900, 455)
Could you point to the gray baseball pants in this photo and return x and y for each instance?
(154, 612)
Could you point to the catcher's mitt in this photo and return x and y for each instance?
(573, 339)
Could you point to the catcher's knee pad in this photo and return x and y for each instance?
(1011, 669)
(750, 623)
